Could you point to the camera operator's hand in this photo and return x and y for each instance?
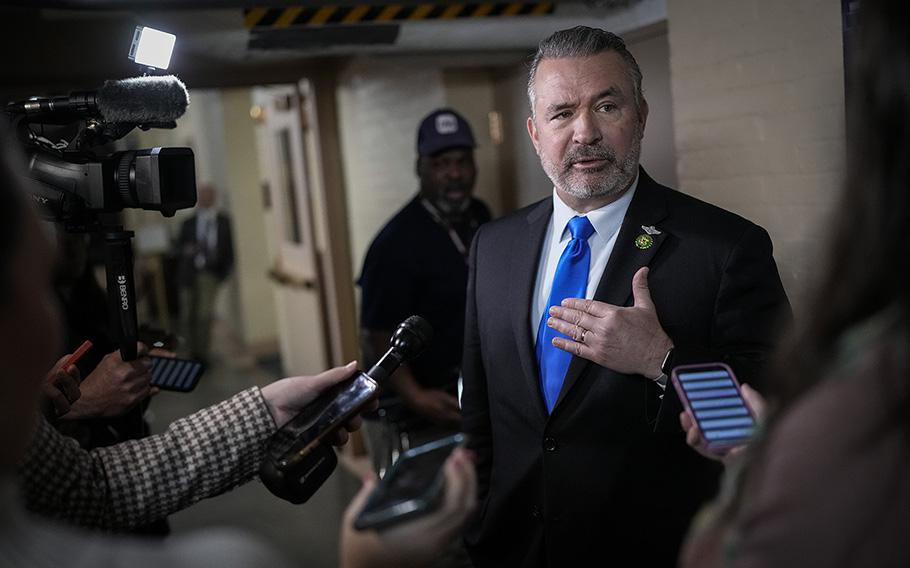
(115, 386)
(287, 397)
(60, 389)
(416, 542)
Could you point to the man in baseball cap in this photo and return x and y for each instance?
(417, 265)
(445, 160)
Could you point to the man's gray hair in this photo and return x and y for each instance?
(582, 41)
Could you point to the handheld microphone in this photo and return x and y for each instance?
(137, 100)
(299, 458)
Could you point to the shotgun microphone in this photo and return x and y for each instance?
(137, 100)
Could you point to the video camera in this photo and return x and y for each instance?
(80, 185)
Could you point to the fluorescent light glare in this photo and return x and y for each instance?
(152, 47)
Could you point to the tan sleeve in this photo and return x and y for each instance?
(140, 481)
(819, 490)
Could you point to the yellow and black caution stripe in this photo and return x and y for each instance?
(368, 14)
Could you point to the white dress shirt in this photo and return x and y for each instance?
(606, 221)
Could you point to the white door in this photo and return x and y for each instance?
(288, 181)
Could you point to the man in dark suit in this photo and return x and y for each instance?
(207, 256)
(579, 452)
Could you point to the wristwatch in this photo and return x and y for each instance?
(665, 367)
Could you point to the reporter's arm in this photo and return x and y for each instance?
(139, 481)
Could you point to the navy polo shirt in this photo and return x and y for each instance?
(413, 268)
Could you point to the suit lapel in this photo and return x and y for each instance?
(647, 209)
(523, 277)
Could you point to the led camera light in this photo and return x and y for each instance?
(152, 47)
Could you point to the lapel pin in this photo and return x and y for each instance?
(644, 241)
(650, 229)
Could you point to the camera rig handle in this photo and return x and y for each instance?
(121, 289)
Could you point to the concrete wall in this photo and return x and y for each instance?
(758, 93)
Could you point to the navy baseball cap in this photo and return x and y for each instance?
(441, 130)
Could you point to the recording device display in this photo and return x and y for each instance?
(299, 459)
(77, 182)
(412, 487)
(173, 374)
(711, 395)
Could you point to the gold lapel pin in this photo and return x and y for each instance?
(644, 241)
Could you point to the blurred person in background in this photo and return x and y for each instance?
(206, 250)
(827, 480)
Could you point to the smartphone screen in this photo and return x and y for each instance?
(413, 485)
(713, 398)
(175, 374)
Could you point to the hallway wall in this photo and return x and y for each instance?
(758, 91)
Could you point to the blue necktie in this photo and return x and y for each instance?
(570, 281)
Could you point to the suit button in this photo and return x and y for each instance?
(535, 512)
(549, 444)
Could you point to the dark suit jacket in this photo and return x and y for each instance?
(607, 474)
(219, 263)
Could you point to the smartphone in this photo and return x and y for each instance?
(412, 487)
(175, 374)
(712, 397)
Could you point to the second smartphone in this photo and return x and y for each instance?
(712, 397)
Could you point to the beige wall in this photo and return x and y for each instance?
(471, 94)
(658, 148)
(217, 126)
(257, 308)
(758, 93)
(379, 106)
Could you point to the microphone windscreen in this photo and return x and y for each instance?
(143, 100)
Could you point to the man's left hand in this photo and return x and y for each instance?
(627, 340)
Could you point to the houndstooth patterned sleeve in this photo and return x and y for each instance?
(140, 481)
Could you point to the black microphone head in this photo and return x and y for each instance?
(412, 337)
(143, 100)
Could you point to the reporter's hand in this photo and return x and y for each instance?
(436, 405)
(694, 438)
(287, 397)
(115, 386)
(416, 542)
(60, 389)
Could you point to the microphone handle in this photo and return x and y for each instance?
(78, 102)
(299, 459)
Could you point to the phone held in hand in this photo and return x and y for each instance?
(412, 487)
(174, 374)
(713, 398)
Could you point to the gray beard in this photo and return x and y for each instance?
(612, 180)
